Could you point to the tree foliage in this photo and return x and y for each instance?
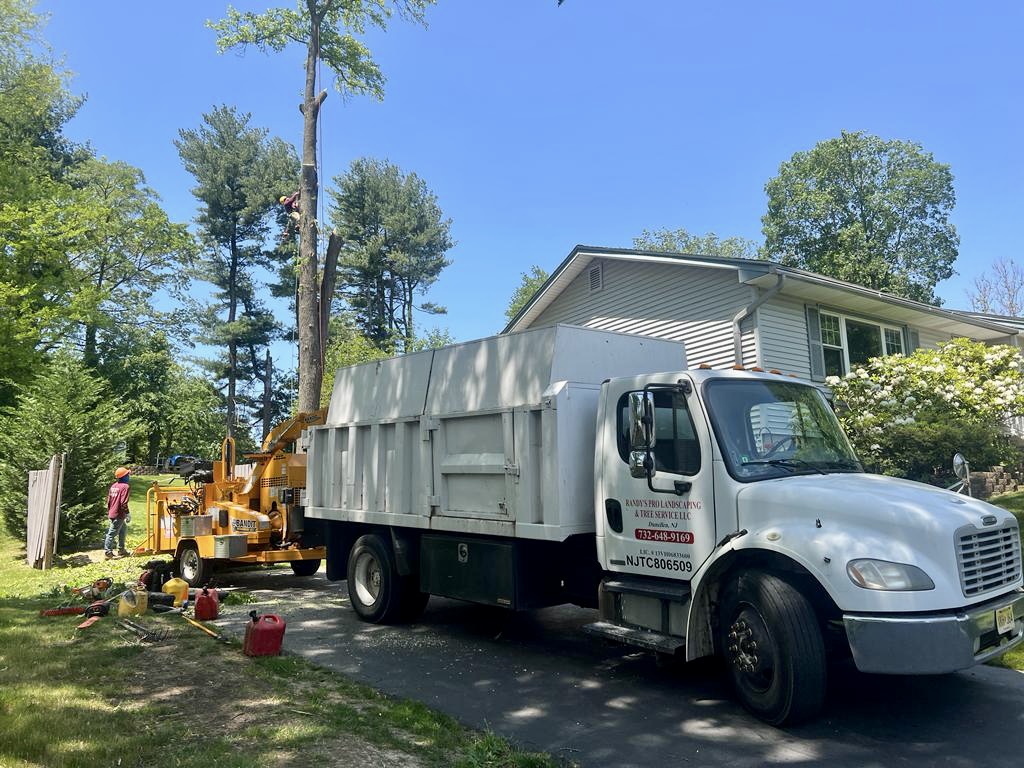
(529, 283)
(64, 409)
(906, 414)
(240, 173)
(328, 31)
(395, 239)
(682, 241)
(1001, 292)
(865, 210)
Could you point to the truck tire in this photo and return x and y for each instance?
(191, 567)
(772, 644)
(374, 586)
(305, 567)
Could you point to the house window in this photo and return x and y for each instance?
(848, 342)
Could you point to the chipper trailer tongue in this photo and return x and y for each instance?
(700, 511)
(218, 518)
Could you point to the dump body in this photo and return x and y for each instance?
(494, 436)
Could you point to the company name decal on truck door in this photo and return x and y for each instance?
(663, 509)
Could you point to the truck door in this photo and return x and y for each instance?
(664, 526)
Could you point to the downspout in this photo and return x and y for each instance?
(750, 309)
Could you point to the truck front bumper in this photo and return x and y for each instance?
(929, 644)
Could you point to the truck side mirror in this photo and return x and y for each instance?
(960, 466)
(641, 421)
(641, 434)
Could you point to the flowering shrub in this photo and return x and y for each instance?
(904, 414)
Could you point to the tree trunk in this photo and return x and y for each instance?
(268, 394)
(232, 343)
(327, 289)
(310, 357)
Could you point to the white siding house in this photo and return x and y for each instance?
(745, 312)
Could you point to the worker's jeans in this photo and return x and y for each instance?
(118, 528)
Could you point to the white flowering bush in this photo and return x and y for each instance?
(907, 415)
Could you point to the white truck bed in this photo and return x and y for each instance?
(493, 436)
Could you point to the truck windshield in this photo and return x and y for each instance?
(769, 429)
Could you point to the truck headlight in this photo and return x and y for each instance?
(881, 574)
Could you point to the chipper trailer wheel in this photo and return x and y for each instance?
(305, 567)
(191, 567)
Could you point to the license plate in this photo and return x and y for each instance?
(1004, 619)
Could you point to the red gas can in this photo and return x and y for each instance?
(206, 605)
(263, 635)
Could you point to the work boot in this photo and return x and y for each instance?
(108, 554)
(123, 553)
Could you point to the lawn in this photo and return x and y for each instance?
(98, 696)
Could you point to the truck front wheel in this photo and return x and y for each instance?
(772, 645)
(373, 582)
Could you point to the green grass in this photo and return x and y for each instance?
(97, 696)
(1014, 502)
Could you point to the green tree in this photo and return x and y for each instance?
(865, 210)
(327, 30)
(64, 409)
(39, 213)
(239, 173)
(682, 241)
(131, 251)
(395, 240)
(193, 420)
(530, 283)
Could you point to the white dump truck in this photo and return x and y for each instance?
(700, 511)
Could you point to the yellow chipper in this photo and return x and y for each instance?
(218, 518)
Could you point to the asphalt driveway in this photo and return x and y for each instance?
(538, 680)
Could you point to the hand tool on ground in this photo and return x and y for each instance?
(203, 627)
(144, 633)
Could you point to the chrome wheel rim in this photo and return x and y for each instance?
(367, 576)
(189, 565)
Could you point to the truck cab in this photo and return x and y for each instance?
(735, 518)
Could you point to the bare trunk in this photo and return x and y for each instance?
(310, 354)
(327, 288)
(232, 344)
(268, 394)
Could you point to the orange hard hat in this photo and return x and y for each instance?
(121, 472)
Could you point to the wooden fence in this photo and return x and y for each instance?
(44, 494)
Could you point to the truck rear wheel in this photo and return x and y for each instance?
(374, 586)
(772, 644)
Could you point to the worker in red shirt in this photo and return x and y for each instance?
(117, 512)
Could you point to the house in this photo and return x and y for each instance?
(746, 312)
(749, 312)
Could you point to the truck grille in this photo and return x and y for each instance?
(988, 559)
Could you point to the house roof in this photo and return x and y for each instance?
(797, 283)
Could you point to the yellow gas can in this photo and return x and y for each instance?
(178, 588)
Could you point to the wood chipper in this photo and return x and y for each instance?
(215, 517)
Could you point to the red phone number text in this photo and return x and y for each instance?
(672, 537)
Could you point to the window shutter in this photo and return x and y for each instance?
(814, 344)
(913, 340)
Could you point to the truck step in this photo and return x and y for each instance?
(642, 638)
(677, 592)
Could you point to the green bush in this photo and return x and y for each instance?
(64, 409)
(908, 415)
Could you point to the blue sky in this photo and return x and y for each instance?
(540, 127)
